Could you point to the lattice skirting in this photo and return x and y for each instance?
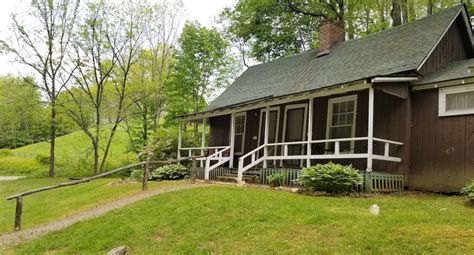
(373, 181)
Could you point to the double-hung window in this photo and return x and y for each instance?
(456, 100)
(341, 122)
(239, 133)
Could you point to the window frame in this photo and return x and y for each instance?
(333, 101)
(443, 92)
(242, 149)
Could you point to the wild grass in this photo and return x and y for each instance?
(59, 203)
(243, 220)
(73, 156)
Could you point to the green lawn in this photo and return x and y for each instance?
(244, 220)
(73, 152)
(59, 203)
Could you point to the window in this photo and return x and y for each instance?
(341, 121)
(456, 100)
(239, 133)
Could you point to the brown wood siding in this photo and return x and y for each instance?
(442, 156)
(454, 46)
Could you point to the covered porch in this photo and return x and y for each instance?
(365, 125)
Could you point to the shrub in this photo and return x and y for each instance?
(276, 179)
(468, 191)
(42, 159)
(137, 175)
(333, 178)
(170, 172)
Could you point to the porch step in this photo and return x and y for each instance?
(233, 178)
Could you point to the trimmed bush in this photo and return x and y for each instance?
(277, 179)
(330, 177)
(170, 172)
(137, 175)
(468, 191)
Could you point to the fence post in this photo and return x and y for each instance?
(145, 176)
(18, 211)
(193, 170)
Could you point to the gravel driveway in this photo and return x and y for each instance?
(14, 238)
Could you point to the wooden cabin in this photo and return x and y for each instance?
(397, 105)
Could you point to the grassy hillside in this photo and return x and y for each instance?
(73, 153)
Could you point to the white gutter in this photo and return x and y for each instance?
(393, 79)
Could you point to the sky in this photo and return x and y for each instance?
(204, 11)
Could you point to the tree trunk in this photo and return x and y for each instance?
(429, 8)
(411, 11)
(97, 140)
(145, 124)
(404, 10)
(52, 148)
(395, 13)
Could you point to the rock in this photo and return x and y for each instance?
(295, 190)
(122, 250)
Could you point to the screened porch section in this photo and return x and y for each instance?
(347, 128)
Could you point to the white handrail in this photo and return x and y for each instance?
(220, 160)
(254, 160)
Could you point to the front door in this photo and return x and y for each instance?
(294, 130)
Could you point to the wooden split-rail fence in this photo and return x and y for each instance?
(146, 171)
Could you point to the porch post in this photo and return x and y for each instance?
(232, 140)
(180, 136)
(265, 149)
(370, 130)
(310, 131)
(203, 140)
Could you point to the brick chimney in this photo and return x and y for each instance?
(330, 33)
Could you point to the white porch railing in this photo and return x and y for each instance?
(256, 157)
(222, 155)
(191, 151)
(219, 157)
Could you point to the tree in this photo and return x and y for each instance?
(395, 13)
(24, 117)
(265, 30)
(41, 42)
(151, 74)
(107, 46)
(203, 67)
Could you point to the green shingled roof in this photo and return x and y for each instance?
(455, 70)
(399, 49)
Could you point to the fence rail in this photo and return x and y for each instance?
(144, 164)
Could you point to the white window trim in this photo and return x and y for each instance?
(332, 101)
(277, 109)
(452, 90)
(243, 134)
